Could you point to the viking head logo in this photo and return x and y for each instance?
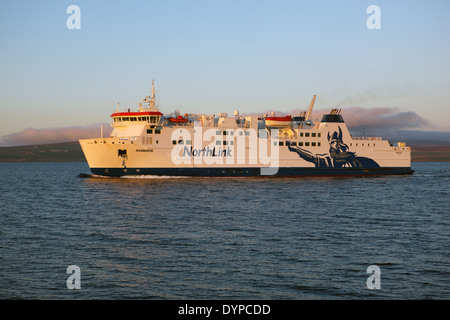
(338, 157)
(338, 149)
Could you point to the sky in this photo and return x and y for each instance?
(219, 56)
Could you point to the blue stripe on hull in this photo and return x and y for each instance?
(252, 172)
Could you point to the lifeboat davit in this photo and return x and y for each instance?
(279, 122)
(178, 119)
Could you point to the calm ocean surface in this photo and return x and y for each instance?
(223, 238)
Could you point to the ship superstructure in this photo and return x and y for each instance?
(147, 142)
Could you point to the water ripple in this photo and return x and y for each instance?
(213, 238)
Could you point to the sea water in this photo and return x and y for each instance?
(223, 238)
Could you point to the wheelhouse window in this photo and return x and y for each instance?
(154, 119)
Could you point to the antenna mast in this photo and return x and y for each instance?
(152, 99)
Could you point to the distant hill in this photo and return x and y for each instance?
(59, 152)
(430, 153)
(71, 152)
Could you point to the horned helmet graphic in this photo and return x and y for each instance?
(335, 137)
(338, 149)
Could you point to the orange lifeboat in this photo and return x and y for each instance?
(279, 122)
(178, 119)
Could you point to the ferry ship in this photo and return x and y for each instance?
(148, 142)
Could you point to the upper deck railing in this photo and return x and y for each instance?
(367, 138)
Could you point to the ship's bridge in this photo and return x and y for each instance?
(147, 114)
(122, 119)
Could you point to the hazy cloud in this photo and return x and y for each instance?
(376, 118)
(381, 118)
(389, 123)
(32, 136)
(385, 122)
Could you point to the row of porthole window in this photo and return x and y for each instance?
(295, 143)
(362, 144)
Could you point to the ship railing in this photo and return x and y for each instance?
(367, 138)
(400, 148)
